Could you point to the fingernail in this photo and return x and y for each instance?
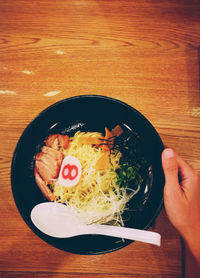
(168, 153)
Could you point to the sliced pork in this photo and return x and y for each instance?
(48, 163)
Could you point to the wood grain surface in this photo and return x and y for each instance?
(145, 53)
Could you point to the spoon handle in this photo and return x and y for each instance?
(127, 233)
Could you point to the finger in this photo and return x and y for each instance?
(184, 169)
(170, 168)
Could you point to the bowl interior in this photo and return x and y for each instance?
(89, 113)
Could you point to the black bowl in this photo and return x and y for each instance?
(88, 113)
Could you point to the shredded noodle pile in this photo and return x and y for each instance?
(96, 198)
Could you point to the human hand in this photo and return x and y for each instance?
(182, 197)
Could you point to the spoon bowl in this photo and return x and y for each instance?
(57, 220)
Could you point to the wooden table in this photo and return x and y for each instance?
(145, 53)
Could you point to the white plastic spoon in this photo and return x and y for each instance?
(57, 220)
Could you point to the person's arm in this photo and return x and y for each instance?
(182, 204)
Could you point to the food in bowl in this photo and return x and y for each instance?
(139, 144)
(94, 174)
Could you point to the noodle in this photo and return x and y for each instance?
(96, 198)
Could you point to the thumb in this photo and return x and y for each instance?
(170, 168)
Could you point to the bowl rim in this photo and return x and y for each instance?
(45, 110)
